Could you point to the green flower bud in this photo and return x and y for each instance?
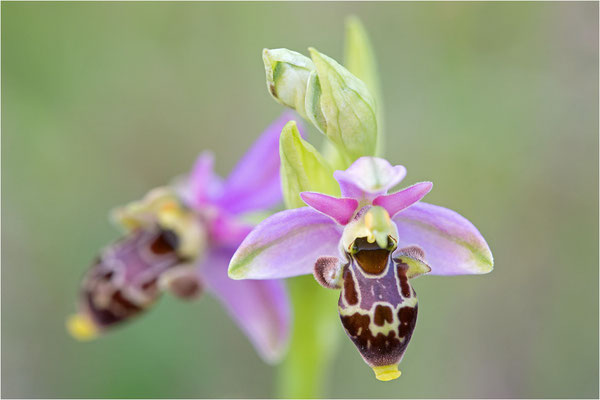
(348, 108)
(287, 75)
(312, 104)
(302, 168)
(336, 102)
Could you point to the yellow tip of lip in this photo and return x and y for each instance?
(81, 327)
(387, 372)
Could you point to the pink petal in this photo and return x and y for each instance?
(286, 244)
(452, 245)
(202, 184)
(340, 210)
(228, 230)
(254, 183)
(394, 203)
(369, 177)
(260, 308)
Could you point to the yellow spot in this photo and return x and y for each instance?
(81, 327)
(169, 211)
(369, 220)
(379, 226)
(169, 206)
(129, 223)
(387, 372)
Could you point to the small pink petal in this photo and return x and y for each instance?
(394, 203)
(369, 177)
(341, 210)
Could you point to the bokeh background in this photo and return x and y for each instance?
(496, 103)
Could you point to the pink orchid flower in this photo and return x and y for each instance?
(369, 244)
(180, 239)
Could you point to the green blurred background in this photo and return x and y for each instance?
(496, 103)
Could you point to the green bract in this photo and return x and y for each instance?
(360, 60)
(303, 168)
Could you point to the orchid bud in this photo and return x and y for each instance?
(287, 75)
(337, 103)
(348, 108)
(313, 103)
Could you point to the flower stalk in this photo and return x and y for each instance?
(313, 343)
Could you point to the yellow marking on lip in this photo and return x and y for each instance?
(81, 327)
(387, 372)
(169, 206)
(379, 226)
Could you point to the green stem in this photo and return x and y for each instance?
(313, 342)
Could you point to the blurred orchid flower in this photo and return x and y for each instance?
(369, 244)
(180, 239)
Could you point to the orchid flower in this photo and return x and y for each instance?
(369, 244)
(180, 239)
